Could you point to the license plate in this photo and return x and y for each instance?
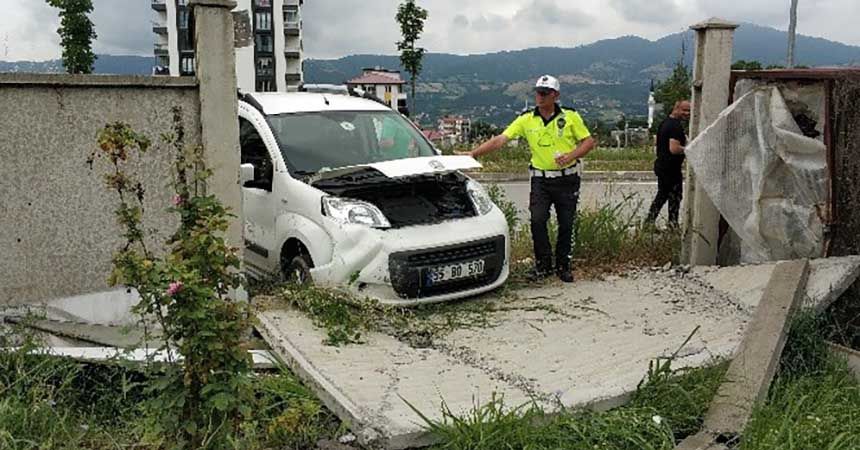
(451, 272)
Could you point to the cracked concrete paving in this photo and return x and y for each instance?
(592, 355)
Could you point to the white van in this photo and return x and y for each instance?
(345, 192)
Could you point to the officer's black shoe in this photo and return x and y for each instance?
(538, 274)
(565, 275)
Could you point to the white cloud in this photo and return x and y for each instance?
(647, 11)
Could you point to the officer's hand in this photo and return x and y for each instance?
(564, 159)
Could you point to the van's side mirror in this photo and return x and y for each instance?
(246, 173)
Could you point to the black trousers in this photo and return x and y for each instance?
(563, 193)
(670, 187)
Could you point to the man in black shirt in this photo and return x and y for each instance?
(671, 140)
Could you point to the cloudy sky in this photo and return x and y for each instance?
(335, 28)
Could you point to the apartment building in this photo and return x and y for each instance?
(386, 85)
(272, 60)
(456, 129)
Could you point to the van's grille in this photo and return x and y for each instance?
(407, 268)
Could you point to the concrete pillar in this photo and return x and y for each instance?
(711, 72)
(216, 73)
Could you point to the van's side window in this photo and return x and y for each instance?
(254, 152)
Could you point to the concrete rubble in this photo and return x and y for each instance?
(585, 345)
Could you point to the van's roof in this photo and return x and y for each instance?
(296, 102)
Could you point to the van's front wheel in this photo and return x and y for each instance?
(298, 271)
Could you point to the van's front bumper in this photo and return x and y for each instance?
(391, 265)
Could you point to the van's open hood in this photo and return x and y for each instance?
(407, 167)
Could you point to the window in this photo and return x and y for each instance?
(265, 86)
(254, 152)
(264, 21)
(265, 66)
(186, 42)
(263, 3)
(186, 65)
(183, 19)
(263, 43)
(311, 142)
(291, 15)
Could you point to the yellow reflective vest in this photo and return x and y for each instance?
(560, 134)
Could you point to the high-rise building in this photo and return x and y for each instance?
(268, 58)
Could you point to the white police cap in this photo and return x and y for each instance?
(548, 81)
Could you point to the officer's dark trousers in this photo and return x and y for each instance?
(563, 193)
(670, 187)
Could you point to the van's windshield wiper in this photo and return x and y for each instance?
(302, 173)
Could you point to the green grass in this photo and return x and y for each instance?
(50, 403)
(667, 405)
(608, 239)
(516, 159)
(843, 319)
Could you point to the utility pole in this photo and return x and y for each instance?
(792, 33)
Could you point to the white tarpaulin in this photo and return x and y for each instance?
(766, 178)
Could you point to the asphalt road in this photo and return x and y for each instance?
(631, 197)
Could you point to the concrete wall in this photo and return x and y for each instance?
(58, 231)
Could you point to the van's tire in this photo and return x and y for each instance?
(298, 271)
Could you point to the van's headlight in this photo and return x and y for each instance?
(480, 199)
(357, 212)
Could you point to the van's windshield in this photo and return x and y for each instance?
(319, 141)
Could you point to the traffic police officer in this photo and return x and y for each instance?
(558, 139)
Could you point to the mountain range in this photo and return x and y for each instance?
(603, 79)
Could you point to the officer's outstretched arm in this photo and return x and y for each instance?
(488, 146)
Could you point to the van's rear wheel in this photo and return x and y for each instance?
(298, 271)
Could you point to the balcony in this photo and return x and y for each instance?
(159, 5)
(293, 53)
(161, 50)
(292, 28)
(159, 28)
(294, 77)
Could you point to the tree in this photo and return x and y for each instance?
(76, 34)
(599, 130)
(673, 89)
(481, 131)
(746, 65)
(411, 18)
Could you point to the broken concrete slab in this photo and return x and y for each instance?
(829, 278)
(852, 357)
(701, 441)
(112, 336)
(366, 385)
(586, 345)
(753, 367)
(262, 359)
(583, 345)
